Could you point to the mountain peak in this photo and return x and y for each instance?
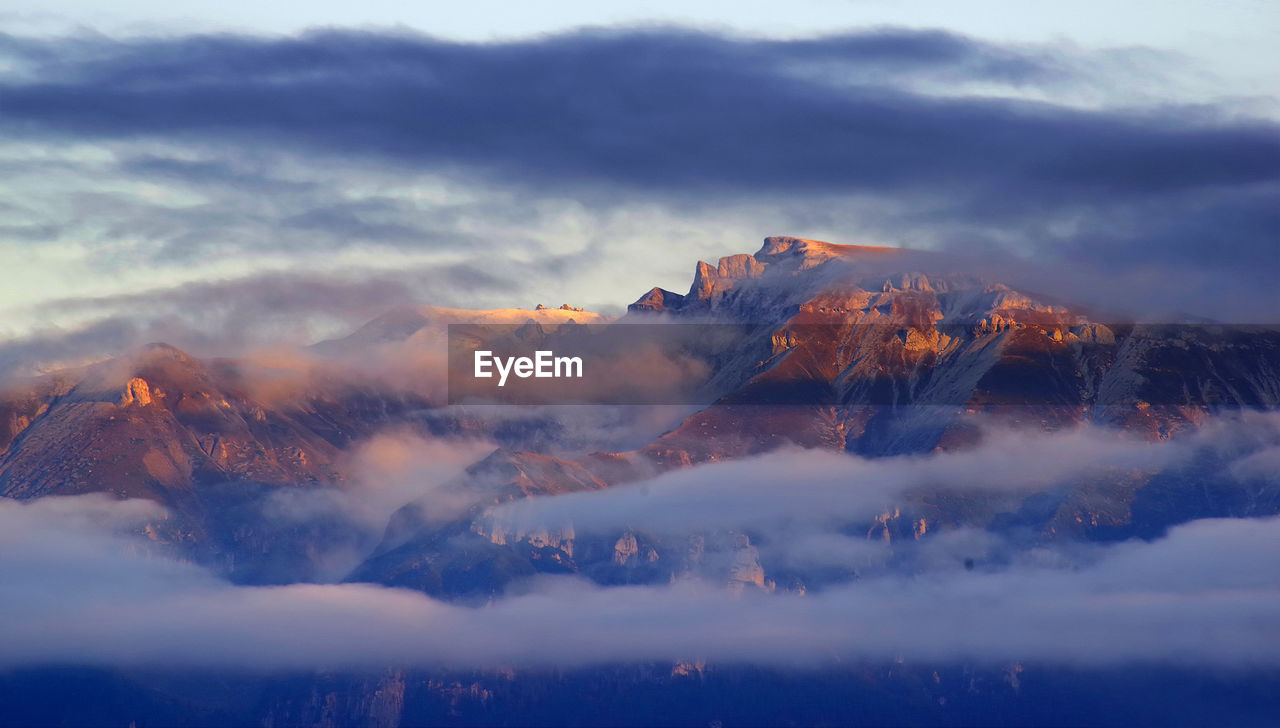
(780, 255)
(160, 351)
(656, 300)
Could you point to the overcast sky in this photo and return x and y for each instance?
(311, 164)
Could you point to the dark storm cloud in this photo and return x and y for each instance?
(651, 109)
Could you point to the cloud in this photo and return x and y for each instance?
(819, 518)
(58, 348)
(667, 109)
(231, 316)
(322, 534)
(395, 468)
(1207, 595)
(820, 489)
(601, 162)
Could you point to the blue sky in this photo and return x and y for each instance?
(225, 174)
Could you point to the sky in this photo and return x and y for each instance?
(227, 174)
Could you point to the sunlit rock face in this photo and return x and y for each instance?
(625, 549)
(629, 551)
(558, 539)
(745, 567)
(136, 391)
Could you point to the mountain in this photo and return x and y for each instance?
(209, 440)
(846, 325)
(874, 351)
(213, 439)
(158, 422)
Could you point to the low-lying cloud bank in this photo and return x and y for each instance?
(73, 590)
(821, 488)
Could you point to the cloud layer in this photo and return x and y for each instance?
(671, 110)
(1207, 595)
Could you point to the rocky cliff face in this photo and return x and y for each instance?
(160, 422)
